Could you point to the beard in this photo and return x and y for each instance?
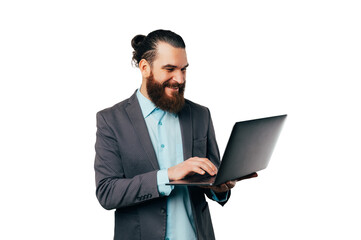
(156, 93)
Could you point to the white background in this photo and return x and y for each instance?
(62, 61)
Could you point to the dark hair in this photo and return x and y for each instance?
(145, 47)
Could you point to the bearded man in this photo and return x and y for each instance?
(151, 138)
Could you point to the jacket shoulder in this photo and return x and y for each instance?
(119, 107)
(196, 107)
(116, 107)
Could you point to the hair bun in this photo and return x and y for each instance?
(137, 40)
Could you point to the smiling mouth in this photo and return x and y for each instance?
(173, 87)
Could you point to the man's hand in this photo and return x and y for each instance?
(191, 166)
(230, 184)
(224, 187)
(252, 175)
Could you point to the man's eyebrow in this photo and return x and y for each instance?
(185, 66)
(173, 66)
(169, 66)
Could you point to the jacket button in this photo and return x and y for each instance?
(162, 210)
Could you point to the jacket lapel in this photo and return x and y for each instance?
(185, 121)
(135, 115)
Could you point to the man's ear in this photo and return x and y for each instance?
(144, 67)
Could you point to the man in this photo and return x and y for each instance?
(151, 138)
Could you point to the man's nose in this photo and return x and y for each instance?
(179, 77)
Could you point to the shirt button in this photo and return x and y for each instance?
(162, 146)
(160, 123)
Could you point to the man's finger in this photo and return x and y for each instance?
(202, 163)
(210, 164)
(231, 184)
(252, 175)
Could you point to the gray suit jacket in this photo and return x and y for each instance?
(126, 169)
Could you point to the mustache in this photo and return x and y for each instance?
(173, 84)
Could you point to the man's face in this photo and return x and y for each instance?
(166, 82)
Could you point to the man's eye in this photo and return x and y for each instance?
(170, 69)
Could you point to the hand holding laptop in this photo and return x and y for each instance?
(224, 187)
(230, 184)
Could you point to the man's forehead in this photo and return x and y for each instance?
(169, 55)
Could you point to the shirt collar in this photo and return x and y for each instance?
(147, 106)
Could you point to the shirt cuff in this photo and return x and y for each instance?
(162, 179)
(223, 196)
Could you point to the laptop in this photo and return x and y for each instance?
(249, 150)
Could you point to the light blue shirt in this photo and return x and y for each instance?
(165, 134)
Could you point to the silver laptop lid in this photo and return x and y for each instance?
(249, 147)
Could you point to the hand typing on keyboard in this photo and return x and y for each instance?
(190, 167)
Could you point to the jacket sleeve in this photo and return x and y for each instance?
(213, 155)
(113, 189)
